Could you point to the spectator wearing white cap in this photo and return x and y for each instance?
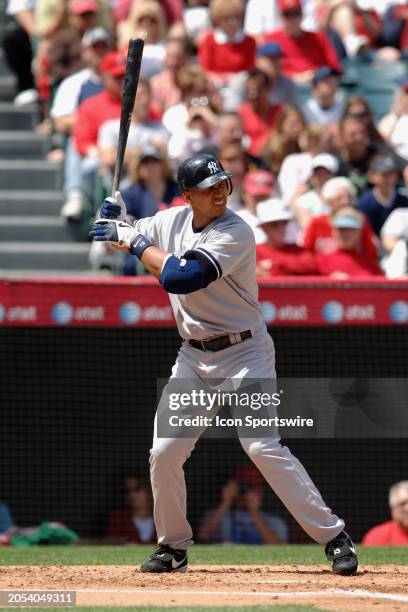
(337, 193)
(326, 105)
(276, 257)
(310, 204)
(347, 259)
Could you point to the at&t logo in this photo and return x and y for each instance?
(399, 311)
(62, 313)
(130, 313)
(333, 312)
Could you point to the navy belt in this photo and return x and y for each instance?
(218, 344)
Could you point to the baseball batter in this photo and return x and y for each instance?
(204, 256)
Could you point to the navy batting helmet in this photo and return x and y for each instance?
(200, 172)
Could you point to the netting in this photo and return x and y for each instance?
(77, 410)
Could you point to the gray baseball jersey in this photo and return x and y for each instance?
(230, 303)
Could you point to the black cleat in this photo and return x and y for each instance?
(166, 559)
(342, 552)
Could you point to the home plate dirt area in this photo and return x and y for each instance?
(382, 586)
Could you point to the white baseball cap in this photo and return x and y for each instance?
(325, 160)
(271, 210)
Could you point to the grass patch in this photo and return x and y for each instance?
(199, 554)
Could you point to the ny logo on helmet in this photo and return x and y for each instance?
(213, 168)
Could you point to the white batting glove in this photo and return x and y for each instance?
(113, 208)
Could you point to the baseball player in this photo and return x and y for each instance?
(204, 256)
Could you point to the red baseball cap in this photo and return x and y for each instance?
(289, 5)
(113, 63)
(249, 475)
(259, 183)
(78, 7)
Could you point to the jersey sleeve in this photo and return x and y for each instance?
(230, 250)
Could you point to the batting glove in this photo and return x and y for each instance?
(122, 233)
(113, 208)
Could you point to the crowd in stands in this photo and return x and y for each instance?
(267, 86)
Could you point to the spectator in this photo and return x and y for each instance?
(276, 257)
(195, 91)
(268, 60)
(165, 92)
(310, 204)
(394, 240)
(91, 115)
(285, 139)
(296, 168)
(234, 160)
(239, 518)
(134, 524)
(196, 19)
(230, 132)
(199, 132)
(258, 116)
(142, 130)
(357, 151)
(16, 42)
(394, 126)
(65, 51)
(7, 526)
(226, 50)
(303, 52)
(173, 10)
(395, 23)
(357, 107)
(359, 28)
(337, 193)
(257, 186)
(347, 259)
(395, 531)
(73, 90)
(146, 19)
(52, 15)
(152, 187)
(378, 202)
(262, 17)
(326, 104)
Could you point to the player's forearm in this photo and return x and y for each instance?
(153, 259)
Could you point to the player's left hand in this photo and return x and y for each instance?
(112, 231)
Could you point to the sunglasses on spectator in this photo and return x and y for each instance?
(149, 18)
(292, 13)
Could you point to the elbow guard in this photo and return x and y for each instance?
(188, 274)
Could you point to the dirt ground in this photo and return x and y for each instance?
(382, 586)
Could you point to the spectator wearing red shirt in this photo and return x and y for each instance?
(337, 193)
(134, 524)
(258, 115)
(395, 531)
(91, 115)
(276, 257)
(226, 49)
(347, 260)
(303, 52)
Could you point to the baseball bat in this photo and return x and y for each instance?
(131, 80)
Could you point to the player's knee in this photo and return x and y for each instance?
(260, 448)
(167, 454)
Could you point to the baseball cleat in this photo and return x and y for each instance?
(166, 559)
(342, 552)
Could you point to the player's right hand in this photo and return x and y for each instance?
(113, 208)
